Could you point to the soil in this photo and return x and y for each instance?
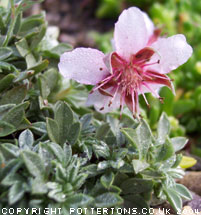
(75, 20)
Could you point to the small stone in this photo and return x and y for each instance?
(187, 210)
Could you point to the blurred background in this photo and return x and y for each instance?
(90, 23)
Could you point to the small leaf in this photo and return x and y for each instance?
(5, 108)
(53, 130)
(107, 200)
(34, 164)
(26, 140)
(136, 186)
(73, 133)
(183, 192)
(102, 131)
(6, 81)
(6, 128)
(64, 119)
(177, 161)
(16, 114)
(187, 162)
(67, 154)
(103, 165)
(9, 150)
(107, 179)
(16, 192)
(11, 179)
(140, 138)
(22, 47)
(61, 48)
(14, 96)
(139, 166)
(44, 88)
(78, 200)
(52, 77)
(163, 128)
(85, 121)
(57, 195)
(165, 151)
(57, 150)
(40, 66)
(101, 150)
(37, 39)
(39, 187)
(39, 127)
(174, 199)
(178, 143)
(5, 52)
(80, 180)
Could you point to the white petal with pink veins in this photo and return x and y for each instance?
(85, 65)
(130, 34)
(99, 101)
(172, 52)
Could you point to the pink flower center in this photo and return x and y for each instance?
(129, 79)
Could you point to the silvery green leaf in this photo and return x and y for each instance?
(39, 127)
(108, 200)
(16, 192)
(9, 150)
(136, 186)
(178, 143)
(15, 115)
(22, 47)
(64, 119)
(117, 164)
(26, 140)
(38, 186)
(85, 121)
(5, 52)
(6, 128)
(34, 164)
(101, 149)
(164, 151)
(107, 179)
(12, 178)
(6, 82)
(53, 130)
(163, 129)
(183, 192)
(139, 165)
(78, 200)
(103, 165)
(57, 151)
(73, 133)
(102, 131)
(174, 199)
(140, 138)
(14, 96)
(44, 88)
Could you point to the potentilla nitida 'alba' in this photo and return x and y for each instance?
(138, 65)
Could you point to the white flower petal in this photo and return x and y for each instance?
(149, 24)
(85, 65)
(99, 101)
(172, 52)
(130, 34)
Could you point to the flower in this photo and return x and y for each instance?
(138, 65)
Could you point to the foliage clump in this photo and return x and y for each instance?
(54, 153)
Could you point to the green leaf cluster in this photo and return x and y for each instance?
(56, 153)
